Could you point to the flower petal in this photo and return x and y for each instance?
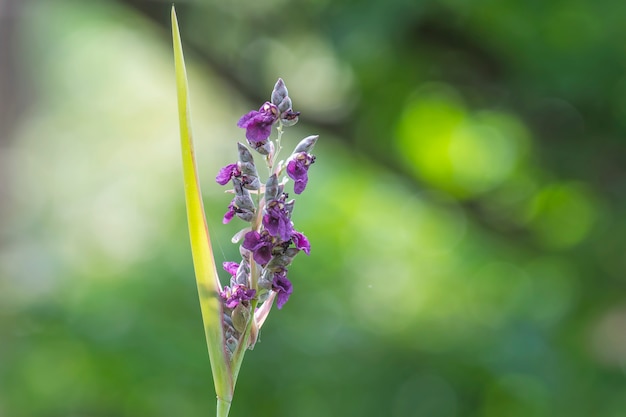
(230, 267)
(283, 289)
(301, 242)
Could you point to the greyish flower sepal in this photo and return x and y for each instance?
(280, 96)
(306, 144)
(240, 317)
(242, 205)
(282, 260)
(242, 275)
(272, 188)
(264, 147)
(289, 118)
(250, 177)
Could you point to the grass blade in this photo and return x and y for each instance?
(203, 260)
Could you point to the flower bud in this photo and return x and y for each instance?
(240, 317)
(243, 272)
(249, 176)
(279, 93)
(263, 147)
(289, 206)
(289, 117)
(245, 214)
(306, 144)
(282, 261)
(265, 285)
(243, 204)
(244, 153)
(271, 188)
(245, 253)
(231, 336)
(284, 105)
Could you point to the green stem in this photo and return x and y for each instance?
(277, 148)
(223, 407)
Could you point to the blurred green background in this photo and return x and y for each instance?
(467, 210)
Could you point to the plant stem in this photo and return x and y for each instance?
(277, 148)
(223, 407)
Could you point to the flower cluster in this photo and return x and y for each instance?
(270, 242)
(258, 124)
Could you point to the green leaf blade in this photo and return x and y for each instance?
(202, 252)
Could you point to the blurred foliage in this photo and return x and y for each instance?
(466, 211)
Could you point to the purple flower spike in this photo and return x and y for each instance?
(261, 246)
(301, 242)
(277, 222)
(297, 169)
(269, 243)
(226, 173)
(258, 124)
(283, 288)
(238, 294)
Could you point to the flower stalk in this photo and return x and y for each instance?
(233, 315)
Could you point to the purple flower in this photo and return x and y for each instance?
(258, 124)
(238, 294)
(226, 173)
(283, 288)
(301, 242)
(230, 213)
(261, 246)
(276, 220)
(231, 267)
(297, 169)
(244, 171)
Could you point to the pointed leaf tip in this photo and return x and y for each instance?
(203, 259)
